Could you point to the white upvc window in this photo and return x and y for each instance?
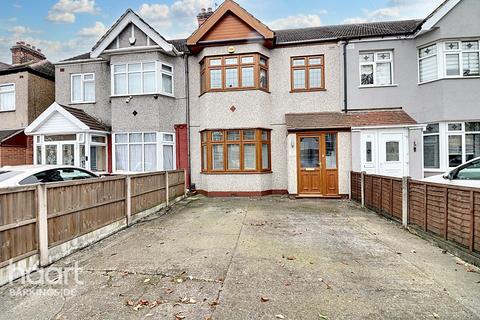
(136, 78)
(427, 63)
(7, 97)
(376, 68)
(144, 151)
(82, 88)
(461, 58)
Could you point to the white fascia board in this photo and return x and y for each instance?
(132, 18)
(433, 20)
(398, 126)
(55, 107)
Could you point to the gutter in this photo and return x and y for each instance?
(345, 77)
(187, 107)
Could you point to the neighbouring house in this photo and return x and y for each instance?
(433, 74)
(249, 110)
(27, 88)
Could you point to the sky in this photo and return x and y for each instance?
(65, 28)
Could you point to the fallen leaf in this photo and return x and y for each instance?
(279, 316)
(264, 299)
(291, 258)
(192, 301)
(179, 316)
(146, 281)
(321, 316)
(130, 303)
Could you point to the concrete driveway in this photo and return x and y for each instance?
(258, 258)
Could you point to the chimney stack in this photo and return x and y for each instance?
(24, 52)
(204, 15)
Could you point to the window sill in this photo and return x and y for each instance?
(141, 95)
(307, 90)
(77, 103)
(233, 90)
(449, 78)
(378, 86)
(236, 173)
(11, 110)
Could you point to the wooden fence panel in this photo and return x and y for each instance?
(176, 180)
(356, 185)
(18, 232)
(77, 208)
(459, 218)
(436, 198)
(416, 203)
(476, 229)
(368, 191)
(148, 191)
(397, 200)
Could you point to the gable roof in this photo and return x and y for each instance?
(4, 65)
(77, 117)
(42, 68)
(230, 6)
(442, 10)
(340, 120)
(7, 134)
(129, 16)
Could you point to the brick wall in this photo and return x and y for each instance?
(182, 149)
(13, 156)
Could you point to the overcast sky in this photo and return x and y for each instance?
(64, 28)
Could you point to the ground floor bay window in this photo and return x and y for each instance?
(236, 151)
(85, 150)
(143, 151)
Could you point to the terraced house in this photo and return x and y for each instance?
(250, 110)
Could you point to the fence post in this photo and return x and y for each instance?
(42, 224)
(405, 201)
(362, 188)
(167, 190)
(128, 199)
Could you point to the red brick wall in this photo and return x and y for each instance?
(12, 156)
(182, 149)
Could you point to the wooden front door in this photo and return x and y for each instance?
(317, 164)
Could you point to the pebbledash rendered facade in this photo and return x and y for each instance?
(249, 110)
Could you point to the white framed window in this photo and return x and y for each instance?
(82, 88)
(7, 97)
(461, 58)
(143, 151)
(376, 68)
(431, 146)
(142, 78)
(427, 63)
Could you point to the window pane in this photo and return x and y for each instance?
(135, 137)
(233, 156)
(149, 82)
(366, 74)
(39, 155)
(298, 62)
(233, 135)
(7, 101)
(149, 66)
(217, 157)
(121, 157)
(120, 83)
(249, 156)
(431, 151)
(168, 137)
(452, 64)
(231, 76)
(98, 158)
(315, 78)
(265, 157)
(135, 67)
(150, 137)
(366, 57)
(428, 51)
(121, 137)
(119, 68)
(331, 151)
(368, 151)
(247, 59)
(454, 151)
(204, 157)
(428, 69)
(134, 83)
(231, 61)
(470, 45)
(472, 146)
(299, 79)
(384, 74)
(217, 136)
(215, 62)
(150, 157)
(392, 150)
(432, 128)
(249, 135)
(51, 154)
(382, 56)
(470, 64)
(264, 135)
(309, 152)
(451, 46)
(454, 127)
(68, 154)
(216, 79)
(62, 137)
(315, 61)
(247, 77)
(167, 83)
(89, 91)
(135, 157)
(168, 158)
(472, 126)
(263, 79)
(263, 61)
(77, 88)
(83, 158)
(469, 172)
(166, 68)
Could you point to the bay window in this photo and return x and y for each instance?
(307, 73)
(376, 68)
(431, 146)
(144, 151)
(83, 88)
(7, 97)
(234, 72)
(427, 63)
(236, 151)
(142, 78)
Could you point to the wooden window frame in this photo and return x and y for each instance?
(208, 143)
(307, 66)
(205, 69)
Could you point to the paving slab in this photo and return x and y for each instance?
(255, 258)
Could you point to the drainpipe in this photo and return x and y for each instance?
(345, 85)
(187, 107)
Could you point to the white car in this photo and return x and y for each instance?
(466, 175)
(13, 176)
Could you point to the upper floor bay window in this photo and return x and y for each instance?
(83, 88)
(307, 73)
(376, 68)
(7, 97)
(234, 72)
(142, 78)
(449, 59)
